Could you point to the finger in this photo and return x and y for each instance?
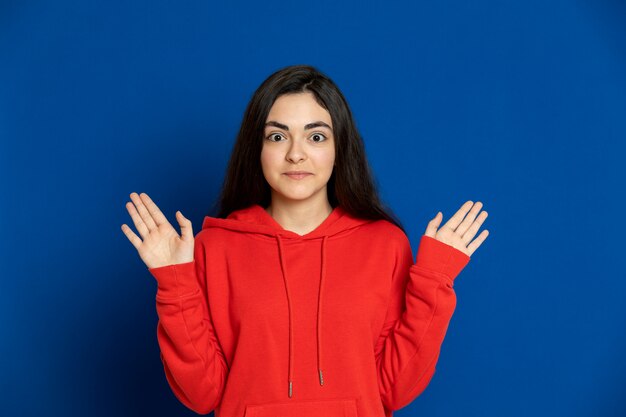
(431, 229)
(455, 220)
(134, 239)
(477, 242)
(469, 234)
(143, 211)
(137, 220)
(154, 211)
(185, 227)
(469, 219)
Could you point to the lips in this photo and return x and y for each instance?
(297, 174)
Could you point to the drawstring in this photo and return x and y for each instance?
(319, 313)
(282, 266)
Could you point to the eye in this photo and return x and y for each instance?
(318, 135)
(272, 136)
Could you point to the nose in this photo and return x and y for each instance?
(296, 152)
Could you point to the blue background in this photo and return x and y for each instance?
(520, 105)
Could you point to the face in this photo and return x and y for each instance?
(298, 137)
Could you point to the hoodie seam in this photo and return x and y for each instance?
(424, 372)
(420, 344)
(289, 239)
(182, 312)
(438, 276)
(271, 236)
(181, 302)
(191, 342)
(389, 294)
(193, 346)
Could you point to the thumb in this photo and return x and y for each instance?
(431, 230)
(186, 230)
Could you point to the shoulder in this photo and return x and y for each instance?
(391, 234)
(209, 237)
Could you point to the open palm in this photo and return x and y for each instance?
(459, 231)
(160, 244)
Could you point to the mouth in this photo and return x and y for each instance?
(297, 175)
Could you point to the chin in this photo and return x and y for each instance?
(297, 196)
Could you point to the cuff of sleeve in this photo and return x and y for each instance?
(440, 257)
(175, 280)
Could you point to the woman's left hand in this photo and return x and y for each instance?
(458, 232)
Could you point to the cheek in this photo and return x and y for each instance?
(270, 163)
(328, 159)
(266, 159)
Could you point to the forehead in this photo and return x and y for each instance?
(300, 108)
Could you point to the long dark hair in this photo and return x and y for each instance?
(351, 185)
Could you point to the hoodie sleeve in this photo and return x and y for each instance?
(421, 306)
(194, 364)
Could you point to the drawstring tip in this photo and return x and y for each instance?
(290, 388)
(321, 378)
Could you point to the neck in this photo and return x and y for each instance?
(299, 217)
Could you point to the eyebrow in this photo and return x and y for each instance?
(306, 127)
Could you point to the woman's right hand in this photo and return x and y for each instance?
(161, 244)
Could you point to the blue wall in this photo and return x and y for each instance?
(520, 105)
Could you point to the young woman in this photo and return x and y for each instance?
(301, 297)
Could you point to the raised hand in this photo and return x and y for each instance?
(458, 232)
(161, 244)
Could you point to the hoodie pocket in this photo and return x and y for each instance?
(305, 408)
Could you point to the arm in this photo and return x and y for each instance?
(194, 364)
(421, 306)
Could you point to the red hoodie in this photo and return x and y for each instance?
(337, 322)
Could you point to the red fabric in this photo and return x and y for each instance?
(337, 322)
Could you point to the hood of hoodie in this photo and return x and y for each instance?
(255, 220)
